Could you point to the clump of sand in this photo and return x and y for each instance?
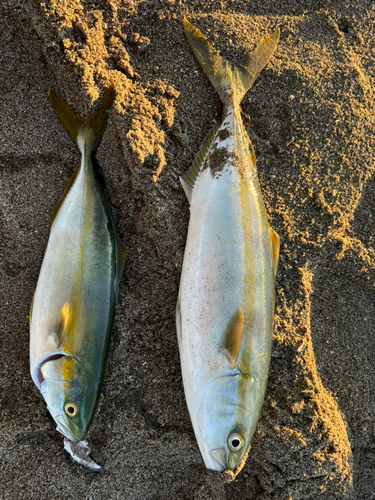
(94, 42)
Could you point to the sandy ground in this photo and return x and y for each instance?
(312, 120)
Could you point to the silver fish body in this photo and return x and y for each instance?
(73, 308)
(226, 300)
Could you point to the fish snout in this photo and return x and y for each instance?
(219, 459)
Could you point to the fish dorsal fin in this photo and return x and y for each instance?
(62, 324)
(275, 249)
(119, 247)
(67, 189)
(120, 257)
(188, 180)
(232, 338)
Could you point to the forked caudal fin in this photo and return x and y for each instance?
(230, 81)
(84, 131)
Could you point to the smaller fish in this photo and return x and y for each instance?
(73, 308)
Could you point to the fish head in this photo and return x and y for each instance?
(70, 398)
(226, 420)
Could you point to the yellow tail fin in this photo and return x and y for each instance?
(84, 131)
(231, 81)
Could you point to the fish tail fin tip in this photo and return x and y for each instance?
(227, 78)
(84, 131)
(249, 66)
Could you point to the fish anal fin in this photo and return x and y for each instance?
(178, 318)
(31, 309)
(188, 180)
(232, 337)
(120, 264)
(119, 247)
(67, 189)
(275, 249)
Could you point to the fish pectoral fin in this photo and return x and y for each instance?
(188, 180)
(62, 324)
(275, 249)
(232, 337)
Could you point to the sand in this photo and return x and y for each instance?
(312, 117)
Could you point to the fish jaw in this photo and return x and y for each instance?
(211, 443)
(216, 460)
(63, 428)
(80, 452)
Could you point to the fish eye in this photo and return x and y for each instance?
(71, 409)
(235, 442)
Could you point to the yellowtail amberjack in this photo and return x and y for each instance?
(226, 300)
(74, 303)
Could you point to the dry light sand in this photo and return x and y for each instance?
(312, 126)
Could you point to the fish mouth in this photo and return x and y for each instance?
(64, 429)
(219, 459)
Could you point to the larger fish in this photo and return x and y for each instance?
(74, 303)
(225, 306)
